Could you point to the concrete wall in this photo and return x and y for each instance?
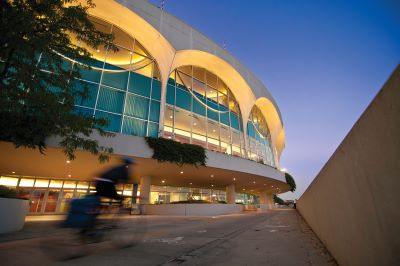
(12, 214)
(353, 203)
(192, 209)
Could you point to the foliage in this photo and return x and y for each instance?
(37, 99)
(279, 200)
(166, 150)
(290, 182)
(6, 192)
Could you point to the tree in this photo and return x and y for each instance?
(290, 181)
(37, 97)
(279, 200)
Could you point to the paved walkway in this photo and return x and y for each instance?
(278, 237)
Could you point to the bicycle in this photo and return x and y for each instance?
(110, 224)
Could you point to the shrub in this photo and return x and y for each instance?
(166, 150)
(6, 192)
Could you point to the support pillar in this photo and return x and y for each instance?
(266, 201)
(145, 183)
(230, 194)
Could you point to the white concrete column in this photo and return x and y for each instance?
(145, 183)
(270, 201)
(230, 194)
(266, 200)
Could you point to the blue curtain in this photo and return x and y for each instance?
(183, 99)
(156, 90)
(234, 121)
(153, 130)
(92, 93)
(155, 111)
(170, 94)
(117, 80)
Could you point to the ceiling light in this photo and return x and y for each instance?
(169, 137)
(130, 53)
(194, 124)
(171, 116)
(98, 50)
(234, 178)
(254, 182)
(212, 175)
(190, 183)
(13, 172)
(243, 189)
(162, 181)
(69, 175)
(68, 161)
(212, 185)
(181, 172)
(213, 130)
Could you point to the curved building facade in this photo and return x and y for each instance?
(166, 80)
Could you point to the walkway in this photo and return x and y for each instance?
(278, 237)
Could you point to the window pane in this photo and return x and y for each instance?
(84, 111)
(169, 116)
(8, 181)
(155, 111)
(114, 121)
(137, 106)
(224, 117)
(90, 75)
(134, 126)
(153, 130)
(198, 108)
(170, 94)
(183, 120)
(199, 73)
(234, 121)
(110, 100)
(183, 99)
(122, 38)
(117, 80)
(211, 79)
(139, 84)
(199, 87)
(56, 183)
(90, 101)
(156, 90)
(199, 125)
(42, 183)
(26, 182)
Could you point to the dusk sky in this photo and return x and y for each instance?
(323, 62)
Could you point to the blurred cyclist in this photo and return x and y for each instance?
(106, 182)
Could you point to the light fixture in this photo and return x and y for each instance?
(190, 183)
(68, 161)
(181, 172)
(163, 181)
(171, 116)
(243, 189)
(69, 175)
(169, 137)
(234, 178)
(194, 124)
(130, 53)
(212, 185)
(213, 130)
(251, 190)
(254, 182)
(283, 170)
(13, 172)
(98, 50)
(264, 184)
(212, 175)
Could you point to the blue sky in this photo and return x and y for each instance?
(323, 62)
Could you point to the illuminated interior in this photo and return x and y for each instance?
(201, 109)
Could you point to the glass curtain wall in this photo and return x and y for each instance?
(200, 109)
(124, 86)
(259, 146)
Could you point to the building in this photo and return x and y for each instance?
(167, 80)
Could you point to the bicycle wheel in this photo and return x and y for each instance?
(127, 230)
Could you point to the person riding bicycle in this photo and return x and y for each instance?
(106, 182)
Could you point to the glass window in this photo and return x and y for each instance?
(183, 120)
(8, 181)
(92, 75)
(234, 121)
(114, 121)
(198, 108)
(169, 116)
(211, 79)
(156, 90)
(56, 183)
(70, 184)
(137, 106)
(26, 182)
(122, 39)
(134, 127)
(117, 80)
(199, 125)
(199, 73)
(170, 94)
(153, 130)
(41, 183)
(155, 111)
(139, 84)
(183, 99)
(110, 100)
(92, 89)
(199, 87)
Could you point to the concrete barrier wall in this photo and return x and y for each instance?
(12, 214)
(353, 203)
(191, 209)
